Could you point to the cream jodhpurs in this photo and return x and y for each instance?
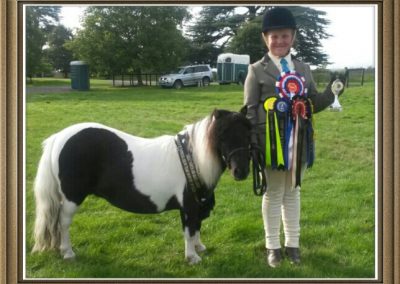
(281, 202)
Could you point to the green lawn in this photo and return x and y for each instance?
(338, 197)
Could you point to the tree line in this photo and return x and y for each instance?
(155, 39)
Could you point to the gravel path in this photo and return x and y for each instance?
(48, 89)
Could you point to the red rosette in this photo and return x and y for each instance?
(300, 107)
(290, 84)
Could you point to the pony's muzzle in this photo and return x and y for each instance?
(238, 162)
(240, 173)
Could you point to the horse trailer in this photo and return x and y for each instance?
(232, 68)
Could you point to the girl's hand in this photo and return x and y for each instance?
(337, 87)
(337, 83)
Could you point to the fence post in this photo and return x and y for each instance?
(346, 76)
(362, 77)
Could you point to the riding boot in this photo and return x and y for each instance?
(293, 255)
(274, 257)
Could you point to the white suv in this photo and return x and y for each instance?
(187, 76)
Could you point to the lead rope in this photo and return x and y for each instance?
(259, 176)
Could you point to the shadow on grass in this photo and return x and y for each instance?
(85, 265)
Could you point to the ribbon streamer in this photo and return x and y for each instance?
(310, 135)
(299, 151)
(289, 127)
(294, 155)
(279, 153)
(272, 141)
(299, 113)
(282, 107)
(269, 106)
(267, 142)
(310, 144)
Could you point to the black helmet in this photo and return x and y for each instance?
(278, 18)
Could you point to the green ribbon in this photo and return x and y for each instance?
(279, 151)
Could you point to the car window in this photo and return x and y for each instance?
(202, 68)
(178, 71)
(189, 70)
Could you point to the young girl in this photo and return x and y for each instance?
(276, 133)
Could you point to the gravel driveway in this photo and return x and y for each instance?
(48, 89)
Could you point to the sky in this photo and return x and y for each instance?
(352, 28)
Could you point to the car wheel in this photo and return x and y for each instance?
(206, 81)
(178, 84)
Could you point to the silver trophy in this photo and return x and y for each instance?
(337, 87)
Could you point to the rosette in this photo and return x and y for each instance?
(282, 105)
(290, 84)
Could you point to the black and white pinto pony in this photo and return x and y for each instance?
(135, 174)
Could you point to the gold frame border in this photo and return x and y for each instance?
(388, 138)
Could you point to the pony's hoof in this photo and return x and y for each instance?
(70, 255)
(200, 248)
(193, 259)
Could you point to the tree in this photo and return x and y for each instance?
(116, 40)
(310, 31)
(39, 21)
(58, 55)
(238, 30)
(218, 24)
(248, 41)
(208, 36)
(205, 53)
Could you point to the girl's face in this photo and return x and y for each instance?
(279, 41)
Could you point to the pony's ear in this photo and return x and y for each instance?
(243, 110)
(216, 114)
(220, 113)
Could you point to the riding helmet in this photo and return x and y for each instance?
(278, 18)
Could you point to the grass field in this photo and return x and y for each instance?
(338, 197)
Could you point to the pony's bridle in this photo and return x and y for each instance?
(258, 167)
(227, 158)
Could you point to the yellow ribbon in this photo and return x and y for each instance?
(268, 105)
(279, 151)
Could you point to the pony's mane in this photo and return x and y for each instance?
(205, 136)
(204, 150)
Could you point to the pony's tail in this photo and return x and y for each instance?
(48, 202)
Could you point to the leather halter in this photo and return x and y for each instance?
(228, 157)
